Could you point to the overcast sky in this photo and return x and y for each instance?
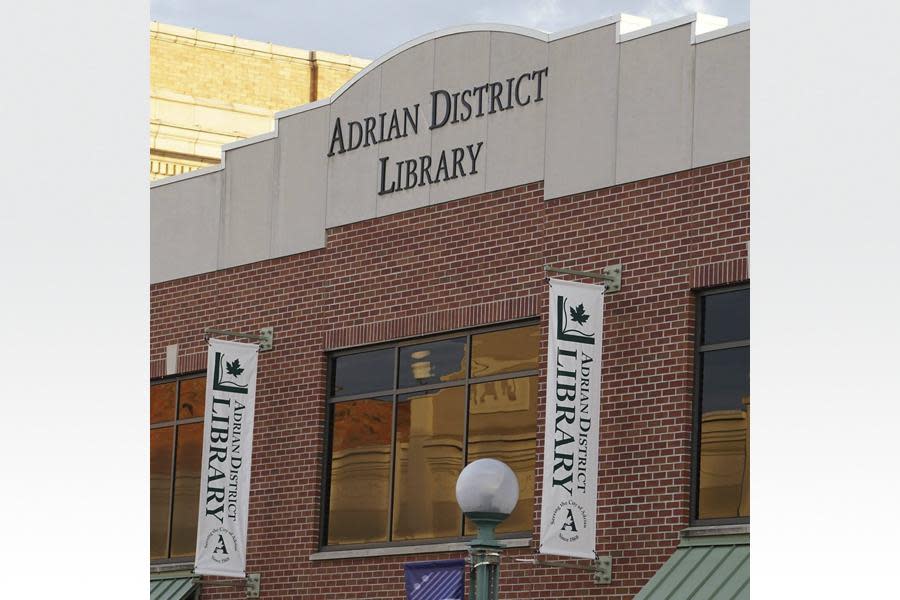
(369, 29)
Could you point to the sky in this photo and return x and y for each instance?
(370, 29)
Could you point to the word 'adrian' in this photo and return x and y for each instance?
(446, 107)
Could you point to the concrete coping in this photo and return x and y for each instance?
(700, 23)
(708, 530)
(724, 31)
(174, 568)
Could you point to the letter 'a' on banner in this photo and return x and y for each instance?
(571, 441)
(435, 580)
(227, 446)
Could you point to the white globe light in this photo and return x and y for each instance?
(487, 486)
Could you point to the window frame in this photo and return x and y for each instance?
(466, 382)
(695, 422)
(176, 424)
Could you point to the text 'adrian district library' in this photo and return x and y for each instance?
(446, 108)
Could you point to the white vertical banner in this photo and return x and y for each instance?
(571, 441)
(227, 447)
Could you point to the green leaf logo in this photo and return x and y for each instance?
(234, 368)
(578, 314)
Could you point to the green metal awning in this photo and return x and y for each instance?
(173, 588)
(704, 568)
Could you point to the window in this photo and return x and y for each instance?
(176, 429)
(722, 410)
(404, 419)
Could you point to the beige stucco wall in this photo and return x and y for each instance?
(208, 89)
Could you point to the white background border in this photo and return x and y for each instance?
(74, 191)
(825, 327)
(74, 314)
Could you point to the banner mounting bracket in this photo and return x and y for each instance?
(251, 581)
(611, 275)
(266, 336)
(253, 585)
(601, 567)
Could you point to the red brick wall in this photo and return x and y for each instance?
(466, 263)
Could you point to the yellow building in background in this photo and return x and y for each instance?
(208, 89)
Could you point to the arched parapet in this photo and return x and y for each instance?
(459, 112)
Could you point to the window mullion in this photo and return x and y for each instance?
(725, 345)
(431, 386)
(695, 416)
(177, 422)
(465, 448)
(363, 396)
(172, 477)
(390, 511)
(501, 376)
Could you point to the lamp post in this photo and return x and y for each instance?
(487, 492)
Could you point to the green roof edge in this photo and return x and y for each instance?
(715, 540)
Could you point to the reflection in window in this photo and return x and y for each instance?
(162, 402)
(186, 503)
(363, 372)
(160, 489)
(410, 493)
(429, 457)
(726, 317)
(360, 471)
(191, 397)
(505, 351)
(723, 482)
(175, 464)
(502, 416)
(725, 463)
(436, 362)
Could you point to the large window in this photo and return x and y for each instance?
(176, 429)
(404, 419)
(722, 409)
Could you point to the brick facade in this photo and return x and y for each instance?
(465, 263)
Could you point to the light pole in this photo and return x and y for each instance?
(487, 491)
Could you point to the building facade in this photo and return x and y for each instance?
(395, 236)
(207, 90)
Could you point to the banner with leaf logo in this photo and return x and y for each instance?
(569, 493)
(227, 448)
